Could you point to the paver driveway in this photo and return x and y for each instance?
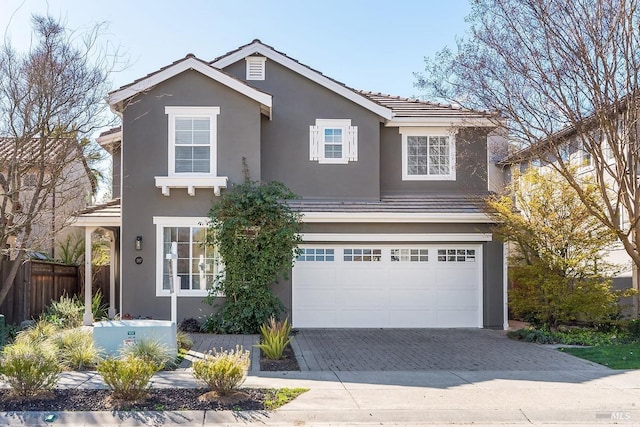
(427, 349)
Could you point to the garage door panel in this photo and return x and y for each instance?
(456, 318)
(415, 278)
(358, 298)
(317, 318)
(314, 274)
(363, 276)
(412, 318)
(317, 297)
(354, 318)
(412, 298)
(399, 293)
(457, 298)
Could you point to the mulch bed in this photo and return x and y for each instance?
(171, 399)
(287, 363)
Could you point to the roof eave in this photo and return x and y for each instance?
(116, 98)
(442, 121)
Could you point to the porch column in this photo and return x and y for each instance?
(87, 319)
(112, 277)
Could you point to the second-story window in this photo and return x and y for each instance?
(192, 140)
(333, 141)
(427, 154)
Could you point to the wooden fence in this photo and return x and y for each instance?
(36, 285)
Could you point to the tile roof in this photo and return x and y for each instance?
(407, 107)
(108, 209)
(423, 203)
(401, 107)
(31, 150)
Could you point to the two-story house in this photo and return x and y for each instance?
(391, 191)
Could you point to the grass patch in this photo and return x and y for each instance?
(622, 356)
(276, 398)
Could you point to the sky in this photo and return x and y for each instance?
(366, 44)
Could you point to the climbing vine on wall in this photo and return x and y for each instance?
(257, 235)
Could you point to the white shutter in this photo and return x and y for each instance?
(352, 143)
(314, 143)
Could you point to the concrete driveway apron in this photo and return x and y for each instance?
(426, 350)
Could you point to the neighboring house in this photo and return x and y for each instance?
(566, 144)
(391, 191)
(49, 183)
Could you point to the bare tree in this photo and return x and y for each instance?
(51, 99)
(564, 74)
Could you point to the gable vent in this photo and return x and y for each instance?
(256, 67)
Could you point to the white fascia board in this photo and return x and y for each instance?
(177, 221)
(97, 221)
(306, 72)
(383, 217)
(417, 237)
(441, 121)
(107, 140)
(191, 64)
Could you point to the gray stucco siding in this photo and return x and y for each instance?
(297, 103)
(471, 165)
(145, 155)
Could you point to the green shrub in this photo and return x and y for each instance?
(567, 336)
(76, 348)
(632, 327)
(150, 350)
(543, 296)
(223, 371)
(29, 368)
(128, 378)
(184, 340)
(274, 338)
(65, 313)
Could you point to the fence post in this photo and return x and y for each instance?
(3, 331)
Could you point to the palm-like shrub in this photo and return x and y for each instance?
(223, 371)
(274, 338)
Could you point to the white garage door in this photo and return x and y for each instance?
(388, 286)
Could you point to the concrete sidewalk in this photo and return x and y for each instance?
(396, 398)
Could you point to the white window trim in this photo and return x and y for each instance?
(208, 112)
(349, 141)
(187, 180)
(428, 131)
(260, 60)
(169, 221)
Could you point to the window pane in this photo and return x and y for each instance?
(184, 153)
(201, 124)
(184, 137)
(201, 153)
(417, 155)
(333, 151)
(200, 137)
